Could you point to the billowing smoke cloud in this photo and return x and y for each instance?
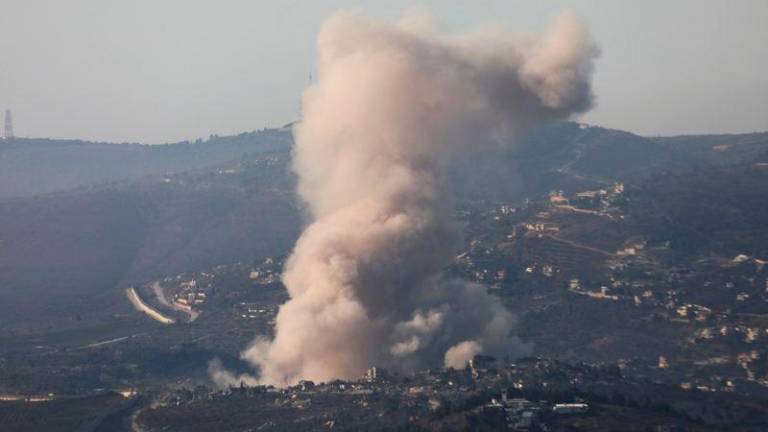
(393, 104)
(223, 378)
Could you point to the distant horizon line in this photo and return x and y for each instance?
(290, 125)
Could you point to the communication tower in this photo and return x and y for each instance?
(8, 125)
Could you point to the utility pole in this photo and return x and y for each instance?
(8, 125)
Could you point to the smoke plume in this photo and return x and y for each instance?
(392, 106)
(224, 379)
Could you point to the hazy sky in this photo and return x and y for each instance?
(167, 70)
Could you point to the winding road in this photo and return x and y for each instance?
(140, 306)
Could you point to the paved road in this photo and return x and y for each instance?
(140, 306)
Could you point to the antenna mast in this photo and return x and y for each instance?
(8, 125)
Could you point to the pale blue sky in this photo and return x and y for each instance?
(166, 70)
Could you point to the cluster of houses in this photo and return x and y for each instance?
(189, 296)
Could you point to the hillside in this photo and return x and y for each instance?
(34, 166)
(641, 257)
(59, 252)
(233, 200)
(719, 149)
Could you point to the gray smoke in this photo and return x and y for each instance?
(392, 106)
(224, 379)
